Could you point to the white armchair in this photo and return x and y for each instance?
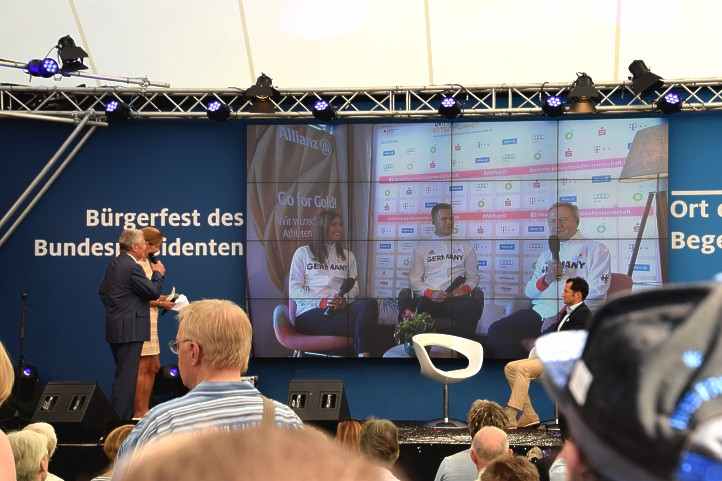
(471, 350)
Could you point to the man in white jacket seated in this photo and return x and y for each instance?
(444, 275)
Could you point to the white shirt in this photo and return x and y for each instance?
(310, 281)
(569, 310)
(440, 260)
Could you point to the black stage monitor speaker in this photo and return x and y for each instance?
(318, 399)
(80, 412)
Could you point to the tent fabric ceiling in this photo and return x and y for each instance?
(366, 43)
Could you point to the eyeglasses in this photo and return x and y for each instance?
(173, 344)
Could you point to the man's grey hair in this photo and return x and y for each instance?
(29, 449)
(130, 237)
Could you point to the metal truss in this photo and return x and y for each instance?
(365, 103)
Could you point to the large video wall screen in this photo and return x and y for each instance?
(504, 182)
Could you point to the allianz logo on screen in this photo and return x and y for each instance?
(291, 135)
(509, 141)
(597, 179)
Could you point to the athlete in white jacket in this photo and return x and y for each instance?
(317, 272)
(578, 257)
(438, 262)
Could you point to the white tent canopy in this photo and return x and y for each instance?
(364, 43)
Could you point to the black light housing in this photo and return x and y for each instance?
(217, 110)
(583, 95)
(670, 103)
(71, 55)
(449, 107)
(117, 111)
(261, 94)
(643, 80)
(552, 105)
(323, 110)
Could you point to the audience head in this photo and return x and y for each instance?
(380, 441)
(641, 390)
(114, 440)
(30, 450)
(48, 431)
(256, 454)
(213, 335)
(489, 442)
(510, 468)
(485, 413)
(348, 433)
(7, 375)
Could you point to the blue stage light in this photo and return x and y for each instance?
(217, 110)
(670, 103)
(449, 107)
(117, 111)
(45, 68)
(552, 105)
(323, 110)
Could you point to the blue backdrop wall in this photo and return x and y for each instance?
(195, 165)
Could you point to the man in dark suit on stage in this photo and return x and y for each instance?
(574, 316)
(126, 293)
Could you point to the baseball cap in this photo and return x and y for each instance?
(642, 389)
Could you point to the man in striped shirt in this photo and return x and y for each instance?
(213, 345)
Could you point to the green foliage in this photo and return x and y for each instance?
(420, 323)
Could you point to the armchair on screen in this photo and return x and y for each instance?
(302, 345)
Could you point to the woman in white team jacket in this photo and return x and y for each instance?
(318, 271)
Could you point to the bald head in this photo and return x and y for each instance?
(488, 443)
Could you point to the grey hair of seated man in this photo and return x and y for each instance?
(30, 450)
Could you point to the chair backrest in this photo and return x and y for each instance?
(619, 283)
(472, 350)
(291, 311)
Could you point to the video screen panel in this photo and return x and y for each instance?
(518, 198)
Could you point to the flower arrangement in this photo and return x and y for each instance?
(418, 323)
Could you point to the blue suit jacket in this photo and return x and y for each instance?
(125, 292)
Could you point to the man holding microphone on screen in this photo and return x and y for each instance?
(569, 255)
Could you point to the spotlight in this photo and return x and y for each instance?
(584, 94)
(71, 55)
(670, 103)
(552, 105)
(449, 108)
(217, 110)
(117, 111)
(26, 383)
(168, 385)
(45, 68)
(323, 110)
(261, 94)
(643, 81)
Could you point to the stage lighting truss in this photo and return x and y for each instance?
(369, 103)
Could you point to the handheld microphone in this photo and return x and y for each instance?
(153, 258)
(455, 284)
(346, 286)
(554, 246)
